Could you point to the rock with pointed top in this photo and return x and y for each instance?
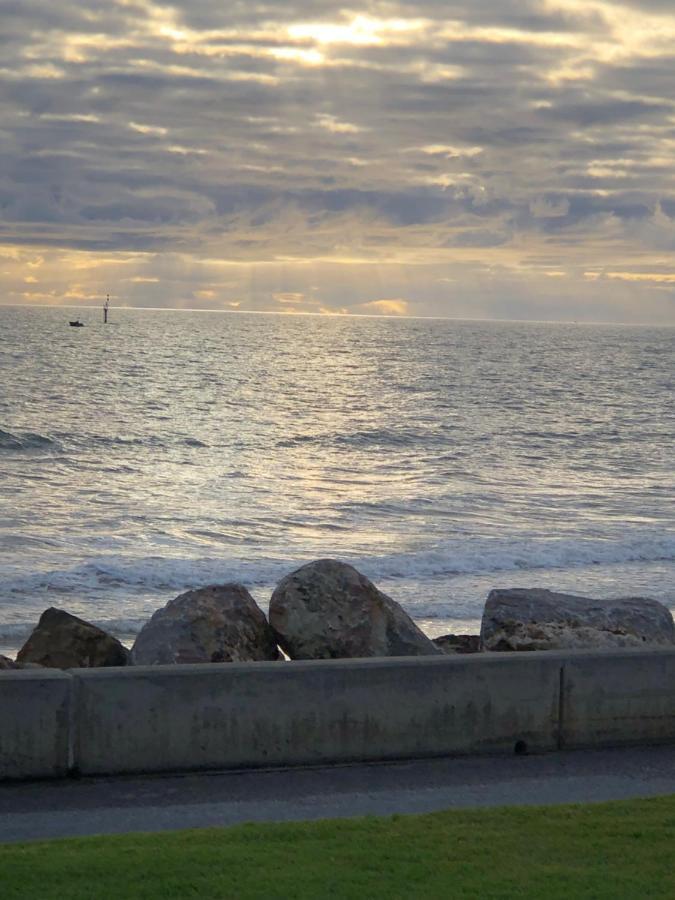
(328, 610)
(62, 641)
(219, 623)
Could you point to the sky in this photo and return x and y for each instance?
(461, 158)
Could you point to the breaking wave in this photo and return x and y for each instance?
(452, 558)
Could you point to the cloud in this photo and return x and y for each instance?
(549, 207)
(489, 144)
(289, 298)
(384, 308)
(330, 123)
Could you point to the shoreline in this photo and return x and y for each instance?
(429, 601)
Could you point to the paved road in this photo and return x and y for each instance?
(158, 803)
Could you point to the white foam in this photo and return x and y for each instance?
(116, 573)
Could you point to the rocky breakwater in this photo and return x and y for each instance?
(520, 619)
(328, 610)
(324, 610)
(220, 623)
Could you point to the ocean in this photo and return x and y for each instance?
(172, 449)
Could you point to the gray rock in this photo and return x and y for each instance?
(62, 641)
(458, 643)
(328, 610)
(219, 623)
(536, 619)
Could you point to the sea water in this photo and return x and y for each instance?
(168, 450)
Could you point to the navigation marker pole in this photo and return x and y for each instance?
(105, 308)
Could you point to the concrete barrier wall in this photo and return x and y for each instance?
(618, 698)
(173, 718)
(260, 714)
(35, 707)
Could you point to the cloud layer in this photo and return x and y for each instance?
(505, 158)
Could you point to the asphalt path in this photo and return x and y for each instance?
(89, 806)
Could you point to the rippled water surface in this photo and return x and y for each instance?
(172, 449)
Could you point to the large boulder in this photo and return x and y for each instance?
(219, 623)
(328, 610)
(536, 619)
(62, 641)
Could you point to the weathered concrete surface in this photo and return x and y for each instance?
(147, 719)
(328, 610)
(618, 698)
(34, 723)
(537, 619)
(218, 623)
(190, 718)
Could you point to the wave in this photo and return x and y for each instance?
(371, 438)
(117, 574)
(29, 440)
(22, 441)
(487, 555)
(150, 441)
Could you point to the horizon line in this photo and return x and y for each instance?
(340, 315)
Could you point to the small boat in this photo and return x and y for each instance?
(76, 324)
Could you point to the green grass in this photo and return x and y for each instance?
(609, 850)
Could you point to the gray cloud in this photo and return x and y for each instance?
(537, 137)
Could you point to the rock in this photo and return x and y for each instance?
(458, 643)
(536, 619)
(220, 623)
(328, 610)
(62, 641)
(7, 663)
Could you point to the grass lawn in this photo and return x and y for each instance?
(608, 850)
